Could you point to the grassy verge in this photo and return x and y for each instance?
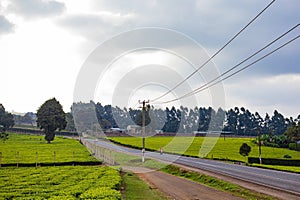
(135, 188)
(215, 183)
(129, 160)
(278, 167)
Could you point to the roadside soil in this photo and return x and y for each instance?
(179, 188)
(278, 194)
(176, 188)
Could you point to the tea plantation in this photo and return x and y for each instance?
(55, 182)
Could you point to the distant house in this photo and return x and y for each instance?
(118, 130)
(159, 131)
(133, 129)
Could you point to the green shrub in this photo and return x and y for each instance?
(287, 156)
(274, 161)
(292, 146)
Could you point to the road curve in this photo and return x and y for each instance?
(289, 182)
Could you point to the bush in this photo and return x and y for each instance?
(287, 156)
(292, 146)
(274, 161)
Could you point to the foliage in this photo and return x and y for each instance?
(287, 156)
(238, 121)
(274, 140)
(68, 182)
(28, 119)
(294, 146)
(60, 182)
(245, 149)
(70, 122)
(6, 121)
(276, 161)
(50, 117)
(24, 148)
(293, 132)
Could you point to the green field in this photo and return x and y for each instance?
(31, 148)
(62, 182)
(59, 183)
(223, 149)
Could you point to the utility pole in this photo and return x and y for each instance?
(259, 144)
(144, 108)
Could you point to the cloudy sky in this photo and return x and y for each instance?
(44, 45)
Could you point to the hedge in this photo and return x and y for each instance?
(292, 146)
(274, 161)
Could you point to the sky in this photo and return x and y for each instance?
(48, 49)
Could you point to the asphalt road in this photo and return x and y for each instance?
(285, 181)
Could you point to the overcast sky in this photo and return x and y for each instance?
(44, 44)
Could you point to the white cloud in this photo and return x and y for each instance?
(265, 94)
(5, 25)
(96, 27)
(36, 8)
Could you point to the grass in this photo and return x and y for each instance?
(227, 149)
(135, 188)
(29, 148)
(223, 149)
(234, 189)
(278, 167)
(63, 182)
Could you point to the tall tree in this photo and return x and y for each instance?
(6, 121)
(278, 123)
(70, 122)
(50, 117)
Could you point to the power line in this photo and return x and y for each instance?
(202, 88)
(215, 54)
(242, 62)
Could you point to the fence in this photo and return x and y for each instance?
(104, 154)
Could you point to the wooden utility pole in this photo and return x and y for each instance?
(144, 108)
(259, 145)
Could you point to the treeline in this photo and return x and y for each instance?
(236, 121)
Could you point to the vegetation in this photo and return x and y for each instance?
(245, 149)
(293, 135)
(238, 121)
(50, 117)
(215, 183)
(23, 148)
(134, 187)
(227, 149)
(60, 183)
(6, 121)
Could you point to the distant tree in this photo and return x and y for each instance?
(245, 149)
(293, 133)
(278, 123)
(50, 117)
(6, 121)
(70, 122)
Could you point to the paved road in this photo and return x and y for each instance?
(281, 180)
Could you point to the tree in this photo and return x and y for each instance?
(293, 133)
(50, 117)
(245, 149)
(70, 122)
(6, 121)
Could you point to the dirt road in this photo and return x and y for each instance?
(179, 188)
